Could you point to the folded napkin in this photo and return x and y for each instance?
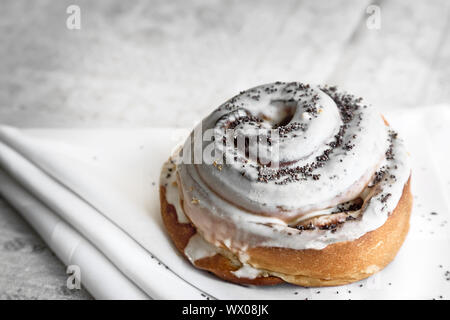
(93, 197)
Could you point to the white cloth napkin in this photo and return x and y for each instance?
(93, 197)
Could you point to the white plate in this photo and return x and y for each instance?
(117, 173)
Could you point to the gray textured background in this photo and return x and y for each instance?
(167, 63)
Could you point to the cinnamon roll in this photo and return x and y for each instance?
(287, 182)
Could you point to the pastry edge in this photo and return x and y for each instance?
(337, 264)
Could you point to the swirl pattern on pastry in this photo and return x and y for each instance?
(341, 171)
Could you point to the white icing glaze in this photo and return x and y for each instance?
(247, 271)
(239, 211)
(197, 248)
(168, 179)
(352, 173)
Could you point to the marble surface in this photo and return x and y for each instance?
(167, 63)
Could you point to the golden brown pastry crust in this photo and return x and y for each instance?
(337, 264)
